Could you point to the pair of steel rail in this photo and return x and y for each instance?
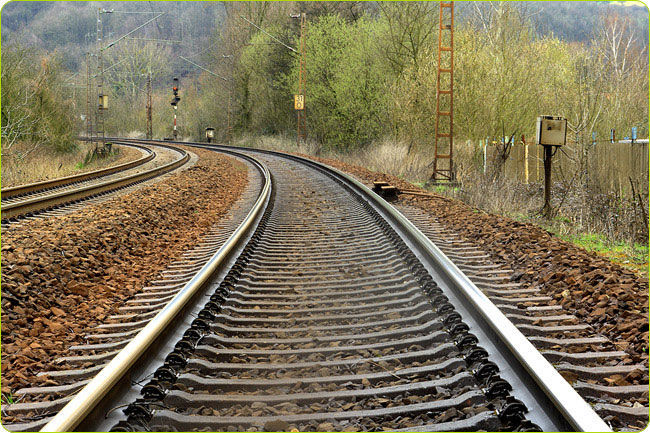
(554, 405)
(36, 197)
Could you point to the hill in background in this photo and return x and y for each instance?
(70, 27)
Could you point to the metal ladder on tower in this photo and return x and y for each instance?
(443, 166)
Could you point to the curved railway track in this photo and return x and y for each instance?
(325, 309)
(37, 198)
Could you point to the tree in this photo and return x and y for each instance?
(268, 67)
(497, 78)
(127, 67)
(625, 60)
(346, 84)
(129, 63)
(34, 109)
(408, 31)
(236, 34)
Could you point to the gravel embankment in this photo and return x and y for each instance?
(62, 276)
(612, 299)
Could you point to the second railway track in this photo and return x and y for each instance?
(33, 199)
(332, 314)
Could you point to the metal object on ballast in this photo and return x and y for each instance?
(209, 134)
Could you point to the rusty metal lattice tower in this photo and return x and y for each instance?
(443, 166)
(302, 123)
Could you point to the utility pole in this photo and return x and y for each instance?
(89, 117)
(149, 108)
(444, 136)
(228, 127)
(102, 102)
(102, 98)
(299, 99)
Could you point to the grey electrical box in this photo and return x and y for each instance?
(551, 131)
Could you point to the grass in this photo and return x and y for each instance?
(20, 167)
(631, 256)
(445, 189)
(8, 398)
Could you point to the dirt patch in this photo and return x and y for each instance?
(62, 276)
(612, 299)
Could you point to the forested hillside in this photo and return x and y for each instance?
(370, 65)
(70, 27)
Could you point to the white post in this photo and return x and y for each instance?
(175, 133)
(485, 157)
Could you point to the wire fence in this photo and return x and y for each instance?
(608, 166)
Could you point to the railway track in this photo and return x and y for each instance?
(324, 310)
(37, 199)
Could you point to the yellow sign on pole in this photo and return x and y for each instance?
(103, 102)
(299, 102)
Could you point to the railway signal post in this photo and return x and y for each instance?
(551, 133)
(174, 103)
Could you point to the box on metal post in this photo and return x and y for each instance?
(551, 131)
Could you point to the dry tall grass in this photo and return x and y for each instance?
(618, 218)
(385, 157)
(21, 167)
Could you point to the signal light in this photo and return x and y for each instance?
(176, 98)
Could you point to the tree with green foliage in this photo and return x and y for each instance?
(497, 78)
(268, 65)
(346, 85)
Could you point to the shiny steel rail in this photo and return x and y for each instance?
(22, 190)
(553, 404)
(86, 400)
(30, 205)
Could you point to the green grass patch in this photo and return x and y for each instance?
(8, 398)
(630, 256)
